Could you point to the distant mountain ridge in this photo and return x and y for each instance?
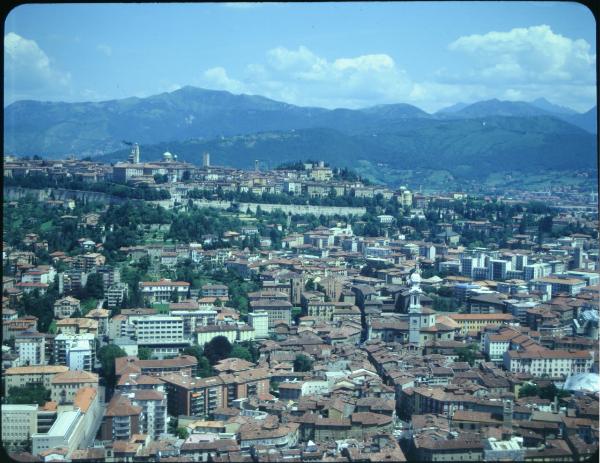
(471, 148)
(57, 129)
(539, 107)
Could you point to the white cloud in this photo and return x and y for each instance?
(104, 49)
(29, 72)
(300, 76)
(533, 54)
(521, 64)
(218, 77)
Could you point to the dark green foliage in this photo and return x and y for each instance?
(204, 368)
(144, 353)
(238, 288)
(217, 349)
(193, 225)
(31, 394)
(107, 355)
(294, 165)
(302, 363)
(546, 392)
(241, 353)
(528, 390)
(467, 354)
(466, 149)
(182, 433)
(94, 287)
(40, 306)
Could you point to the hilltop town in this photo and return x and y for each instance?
(162, 311)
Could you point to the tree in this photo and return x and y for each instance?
(218, 348)
(241, 353)
(107, 355)
(302, 363)
(529, 390)
(182, 433)
(31, 394)
(144, 353)
(467, 354)
(204, 369)
(94, 288)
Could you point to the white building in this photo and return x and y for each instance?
(67, 306)
(164, 291)
(554, 363)
(158, 329)
(67, 431)
(503, 450)
(116, 293)
(31, 348)
(260, 322)
(154, 411)
(83, 344)
(80, 355)
(19, 423)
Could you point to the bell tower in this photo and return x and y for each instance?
(414, 308)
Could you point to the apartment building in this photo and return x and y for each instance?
(164, 334)
(73, 426)
(201, 396)
(121, 420)
(64, 386)
(476, 322)
(571, 286)
(19, 422)
(101, 317)
(77, 326)
(77, 350)
(30, 346)
(89, 261)
(326, 310)
(259, 321)
(115, 294)
(194, 396)
(164, 291)
(25, 376)
(277, 311)
(220, 291)
(184, 365)
(67, 306)
(235, 332)
(154, 411)
(553, 363)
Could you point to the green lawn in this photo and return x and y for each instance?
(162, 308)
(87, 305)
(46, 226)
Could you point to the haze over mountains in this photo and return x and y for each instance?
(467, 140)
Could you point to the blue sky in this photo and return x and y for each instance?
(430, 54)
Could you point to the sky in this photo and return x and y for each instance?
(351, 55)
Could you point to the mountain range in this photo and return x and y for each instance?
(236, 129)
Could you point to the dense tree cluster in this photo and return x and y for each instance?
(31, 394)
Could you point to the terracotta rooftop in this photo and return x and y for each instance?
(84, 398)
(120, 405)
(74, 376)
